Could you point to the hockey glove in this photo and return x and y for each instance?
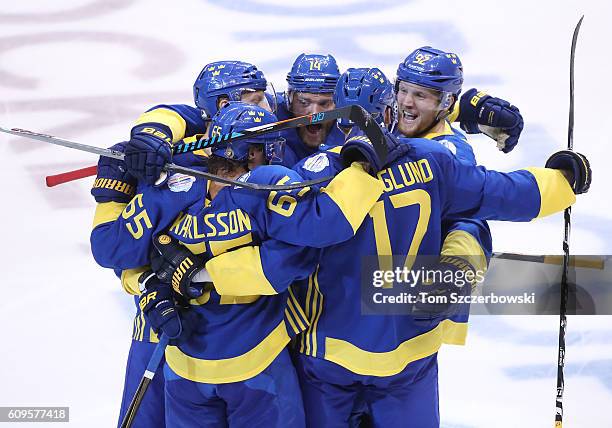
(147, 152)
(359, 148)
(438, 299)
(577, 164)
(175, 264)
(113, 183)
(479, 111)
(158, 306)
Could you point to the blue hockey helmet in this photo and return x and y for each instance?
(237, 116)
(313, 73)
(434, 69)
(225, 78)
(368, 88)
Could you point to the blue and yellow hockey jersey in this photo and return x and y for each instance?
(178, 120)
(260, 326)
(421, 188)
(238, 336)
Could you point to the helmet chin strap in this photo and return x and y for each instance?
(442, 114)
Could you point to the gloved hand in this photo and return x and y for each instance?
(478, 108)
(438, 299)
(147, 152)
(358, 148)
(175, 264)
(577, 164)
(113, 183)
(157, 304)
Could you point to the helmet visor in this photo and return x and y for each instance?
(264, 99)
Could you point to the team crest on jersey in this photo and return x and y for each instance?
(450, 146)
(180, 182)
(316, 163)
(244, 177)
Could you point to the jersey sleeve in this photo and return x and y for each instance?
(469, 239)
(319, 165)
(521, 195)
(180, 120)
(315, 217)
(261, 270)
(121, 236)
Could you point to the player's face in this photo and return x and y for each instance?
(257, 98)
(418, 108)
(303, 103)
(256, 156)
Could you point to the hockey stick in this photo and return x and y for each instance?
(65, 177)
(353, 112)
(170, 167)
(146, 379)
(566, 253)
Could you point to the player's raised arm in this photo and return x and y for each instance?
(520, 195)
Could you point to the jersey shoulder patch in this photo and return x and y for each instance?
(180, 182)
(316, 163)
(449, 145)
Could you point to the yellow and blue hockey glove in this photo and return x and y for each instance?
(175, 264)
(577, 164)
(439, 298)
(158, 306)
(359, 148)
(147, 152)
(113, 182)
(478, 108)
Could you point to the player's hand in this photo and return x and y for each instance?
(157, 305)
(175, 264)
(439, 299)
(113, 183)
(359, 148)
(147, 152)
(577, 165)
(478, 108)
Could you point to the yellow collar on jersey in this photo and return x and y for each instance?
(447, 131)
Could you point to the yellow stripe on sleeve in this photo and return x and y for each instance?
(354, 191)
(129, 279)
(555, 192)
(107, 212)
(239, 273)
(219, 247)
(462, 244)
(167, 117)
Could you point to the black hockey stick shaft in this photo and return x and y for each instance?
(199, 142)
(566, 251)
(146, 379)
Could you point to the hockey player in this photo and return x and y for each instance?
(428, 85)
(114, 187)
(310, 89)
(219, 82)
(387, 364)
(232, 227)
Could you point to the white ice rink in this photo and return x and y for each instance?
(85, 69)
